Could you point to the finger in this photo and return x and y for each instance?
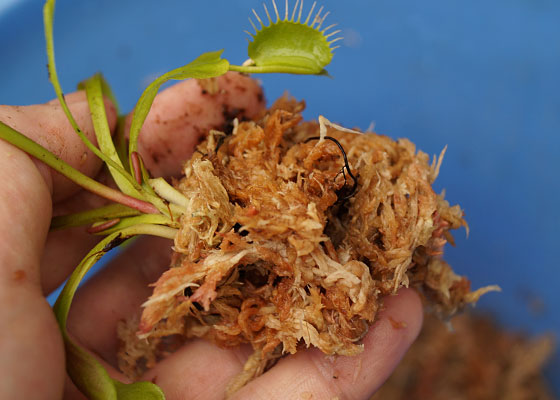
(313, 375)
(185, 112)
(198, 370)
(71, 391)
(29, 336)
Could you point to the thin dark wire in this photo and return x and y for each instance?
(221, 140)
(117, 241)
(346, 164)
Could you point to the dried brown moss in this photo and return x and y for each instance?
(271, 254)
(475, 361)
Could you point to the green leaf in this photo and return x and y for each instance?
(152, 219)
(94, 92)
(139, 391)
(89, 217)
(207, 65)
(86, 371)
(121, 142)
(89, 375)
(62, 305)
(108, 91)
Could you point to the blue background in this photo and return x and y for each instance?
(478, 76)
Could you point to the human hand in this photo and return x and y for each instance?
(34, 262)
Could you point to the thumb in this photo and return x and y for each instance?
(30, 344)
(32, 351)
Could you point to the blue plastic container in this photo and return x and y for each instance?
(481, 77)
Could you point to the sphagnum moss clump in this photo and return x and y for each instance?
(279, 249)
(286, 233)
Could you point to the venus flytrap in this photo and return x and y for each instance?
(289, 45)
(284, 46)
(142, 205)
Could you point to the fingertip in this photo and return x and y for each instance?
(404, 312)
(357, 377)
(398, 325)
(198, 369)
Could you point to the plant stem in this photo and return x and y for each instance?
(94, 93)
(36, 150)
(62, 305)
(156, 220)
(285, 69)
(169, 193)
(207, 65)
(89, 217)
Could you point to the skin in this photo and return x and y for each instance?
(32, 262)
(186, 113)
